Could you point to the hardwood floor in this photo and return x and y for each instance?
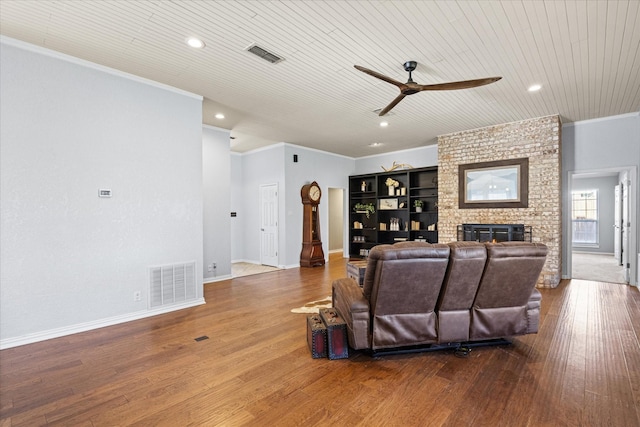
(581, 369)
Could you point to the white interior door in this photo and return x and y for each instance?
(269, 224)
(617, 225)
(626, 226)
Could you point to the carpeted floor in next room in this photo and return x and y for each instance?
(596, 267)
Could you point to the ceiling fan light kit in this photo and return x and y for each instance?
(411, 87)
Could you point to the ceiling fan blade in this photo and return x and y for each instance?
(465, 84)
(378, 75)
(393, 104)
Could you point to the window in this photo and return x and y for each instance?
(584, 217)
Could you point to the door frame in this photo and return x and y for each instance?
(632, 247)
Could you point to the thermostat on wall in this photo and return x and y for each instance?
(104, 192)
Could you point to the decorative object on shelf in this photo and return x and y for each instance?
(396, 165)
(363, 186)
(415, 225)
(394, 224)
(311, 254)
(383, 226)
(392, 184)
(431, 227)
(364, 252)
(386, 204)
(365, 208)
(357, 225)
(418, 204)
(403, 191)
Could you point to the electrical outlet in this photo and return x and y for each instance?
(210, 268)
(137, 296)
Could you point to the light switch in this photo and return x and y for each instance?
(104, 192)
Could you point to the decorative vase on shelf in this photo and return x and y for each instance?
(418, 208)
(392, 190)
(403, 191)
(363, 186)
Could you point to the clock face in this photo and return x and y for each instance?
(314, 193)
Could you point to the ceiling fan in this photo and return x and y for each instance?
(411, 87)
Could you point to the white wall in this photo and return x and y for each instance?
(216, 164)
(609, 143)
(71, 261)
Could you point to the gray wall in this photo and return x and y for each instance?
(259, 167)
(237, 206)
(605, 144)
(216, 172)
(71, 261)
(606, 197)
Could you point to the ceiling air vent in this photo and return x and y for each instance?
(264, 54)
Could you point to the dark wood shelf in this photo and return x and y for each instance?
(419, 184)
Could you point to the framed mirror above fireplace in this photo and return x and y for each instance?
(497, 184)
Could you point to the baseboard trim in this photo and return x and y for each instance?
(216, 279)
(97, 324)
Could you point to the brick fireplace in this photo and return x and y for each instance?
(539, 140)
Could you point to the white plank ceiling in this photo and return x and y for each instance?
(585, 54)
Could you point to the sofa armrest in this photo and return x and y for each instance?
(350, 294)
(533, 312)
(534, 299)
(350, 302)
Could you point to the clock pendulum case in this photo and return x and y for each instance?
(311, 254)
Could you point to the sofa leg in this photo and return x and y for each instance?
(460, 349)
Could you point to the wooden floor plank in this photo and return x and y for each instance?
(582, 368)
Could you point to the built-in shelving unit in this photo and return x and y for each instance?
(396, 217)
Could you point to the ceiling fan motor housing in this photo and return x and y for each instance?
(410, 66)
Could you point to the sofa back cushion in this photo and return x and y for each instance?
(407, 266)
(510, 275)
(466, 264)
(402, 284)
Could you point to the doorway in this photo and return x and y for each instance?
(336, 220)
(599, 208)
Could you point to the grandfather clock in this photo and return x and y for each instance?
(311, 254)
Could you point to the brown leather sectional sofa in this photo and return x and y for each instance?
(436, 295)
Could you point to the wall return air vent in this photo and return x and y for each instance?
(264, 54)
(171, 284)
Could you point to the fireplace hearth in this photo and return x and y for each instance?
(494, 232)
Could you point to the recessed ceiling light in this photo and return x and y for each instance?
(384, 124)
(219, 116)
(534, 88)
(375, 144)
(195, 42)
